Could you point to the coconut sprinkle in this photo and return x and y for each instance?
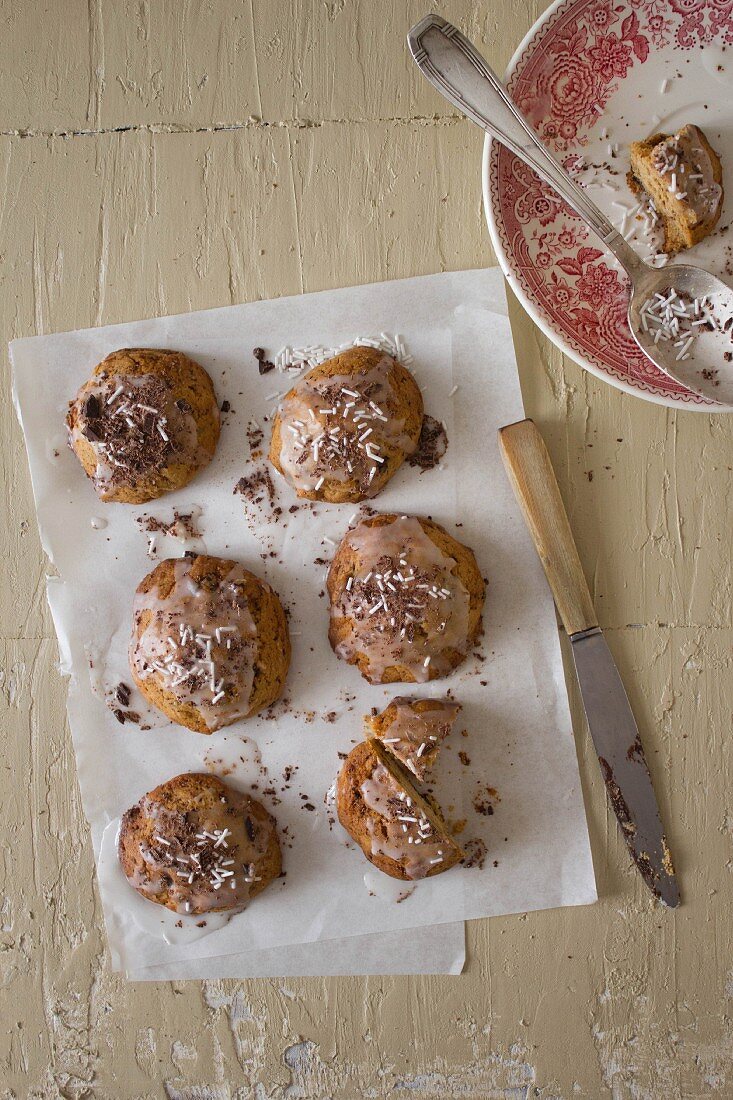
(298, 360)
(677, 319)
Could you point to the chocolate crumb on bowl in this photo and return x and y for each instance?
(144, 424)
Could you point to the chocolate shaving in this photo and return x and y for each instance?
(258, 488)
(476, 852)
(431, 446)
(91, 407)
(265, 365)
(182, 526)
(122, 692)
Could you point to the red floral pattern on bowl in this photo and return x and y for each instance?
(562, 78)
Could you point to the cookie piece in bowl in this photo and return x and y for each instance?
(347, 426)
(414, 729)
(399, 830)
(683, 179)
(405, 599)
(144, 424)
(210, 642)
(197, 846)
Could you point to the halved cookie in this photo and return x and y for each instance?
(414, 729)
(398, 829)
(682, 176)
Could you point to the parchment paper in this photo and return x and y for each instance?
(516, 783)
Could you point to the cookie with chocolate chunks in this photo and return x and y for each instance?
(346, 426)
(196, 846)
(406, 599)
(210, 642)
(144, 424)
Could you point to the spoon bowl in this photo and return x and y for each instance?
(699, 354)
(680, 316)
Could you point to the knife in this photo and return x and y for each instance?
(607, 710)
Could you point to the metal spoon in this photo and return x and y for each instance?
(459, 72)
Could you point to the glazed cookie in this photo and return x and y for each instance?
(682, 176)
(144, 424)
(347, 426)
(414, 729)
(406, 599)
(210, 642)
(196, 846)
(397, 829)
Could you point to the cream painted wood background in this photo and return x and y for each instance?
(165, 155)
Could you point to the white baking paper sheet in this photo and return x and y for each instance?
(516, 783)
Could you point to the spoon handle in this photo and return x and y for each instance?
(459, 72)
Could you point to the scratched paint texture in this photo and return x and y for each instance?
(166, 155)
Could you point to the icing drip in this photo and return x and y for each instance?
(203, 859)
(404, 604)
(398, 828)
(135, 426)
(342, 428)
(199, 643)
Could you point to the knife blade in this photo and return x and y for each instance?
(611, 722)
(621, 756)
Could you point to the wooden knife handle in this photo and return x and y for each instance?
(535, 485)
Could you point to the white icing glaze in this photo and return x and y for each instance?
(685, 162)
(398, 829)
(404, 606)
(414, 736)
(342, 428)
(138, 429)
(199, 643)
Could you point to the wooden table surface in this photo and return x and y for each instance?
(166, 155)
